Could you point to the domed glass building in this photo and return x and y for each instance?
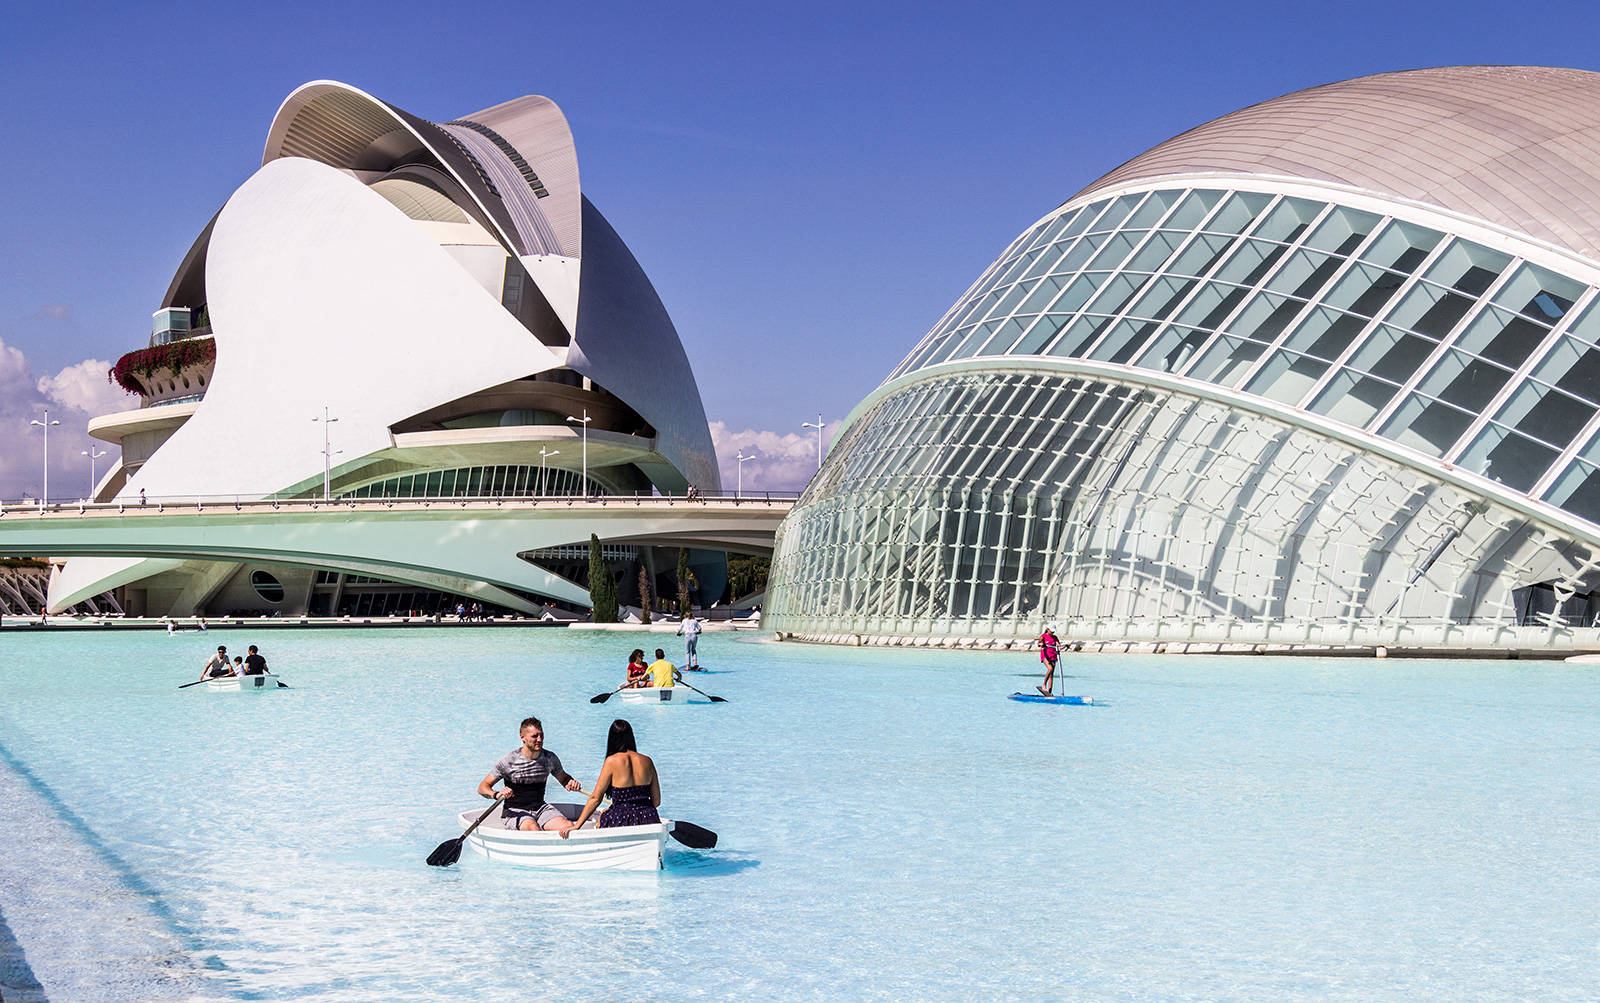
(1323, 371)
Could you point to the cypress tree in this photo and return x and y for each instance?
(602, 590)
(644, 595)
(684, 608)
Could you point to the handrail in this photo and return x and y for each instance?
(157, 504)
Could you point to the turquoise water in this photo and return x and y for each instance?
(891, 826)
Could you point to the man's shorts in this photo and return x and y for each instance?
(545, 813)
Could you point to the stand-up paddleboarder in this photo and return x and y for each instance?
(1049, 653)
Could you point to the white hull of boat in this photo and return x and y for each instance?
(624, 848)
(241, 684)
(661, 694)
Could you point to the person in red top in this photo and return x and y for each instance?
(1049, 652)
(637, 670)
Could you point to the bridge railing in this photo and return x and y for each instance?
(238, 502)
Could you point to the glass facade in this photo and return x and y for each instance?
(480, 482)
(985, 500)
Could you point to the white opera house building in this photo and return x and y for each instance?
(444, 292)
(1322, 371)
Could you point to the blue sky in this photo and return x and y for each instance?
(809, 185)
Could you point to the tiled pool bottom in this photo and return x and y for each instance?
(891, 825)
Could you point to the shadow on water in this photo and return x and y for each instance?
(116, 865)
(709, 864)
(17, 981)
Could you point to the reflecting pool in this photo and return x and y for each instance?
(891, 825)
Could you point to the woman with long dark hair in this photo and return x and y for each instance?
(629, 778)
(637, 670)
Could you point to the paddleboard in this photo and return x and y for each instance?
(1041, 698)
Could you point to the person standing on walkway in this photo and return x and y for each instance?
(1049, 653)
(689, 630)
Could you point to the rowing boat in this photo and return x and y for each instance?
(623, 848)
(1041, 698)
(661, 694)
(237, 684)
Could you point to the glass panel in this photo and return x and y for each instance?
(1154, 207)
(1508, 458)
(1117, 293)
(1287, 377)
(1426, 425)
(1193, 209)
(1113, 217)
(1123, 340)
(1578, 491)
(1116, 248)
(1081, 221)
(1541, 413)
(1502, 336)
(1574, 366)
(1237, 212)
(1430, 310)
(1539, 293)
(1327, 333)
(1162, 297)
(1211, 305)
(1226, 360)
(1155, 251)
(1266, 317)
(1305, 272)
(1391, 354)
(1343, 230)
(1402, 246)
(1074, 259)
(1077, 337)
(1365, 289)
(1042, 294)
(1252, 260)
(1288, 219)
(1176, 345)
(1353, 398)
(1038, 336)
(1202, 253)
(1466, 382)
(1467, 267)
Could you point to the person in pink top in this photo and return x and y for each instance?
(1049, 652)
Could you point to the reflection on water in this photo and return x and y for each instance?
(890, 825)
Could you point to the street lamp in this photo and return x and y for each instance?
(741, 458)
(45, 495)
(585, 421)
(818, 426)
(92, 453)
(542, 454)
(327, 452)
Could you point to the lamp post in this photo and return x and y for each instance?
(741, 458)
(92, 453)
(818, 426)
(327, 452)
(45, 495)
(585, 422)
(542, 454)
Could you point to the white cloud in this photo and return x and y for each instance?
(784, 461)
(73, 395)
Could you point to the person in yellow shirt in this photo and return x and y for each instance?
(663, 672)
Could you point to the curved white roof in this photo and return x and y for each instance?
(1518, 146)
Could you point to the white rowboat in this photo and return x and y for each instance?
(624, 848)
(237, 684)
(661, 694)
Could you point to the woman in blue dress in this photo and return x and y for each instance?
(629, 778)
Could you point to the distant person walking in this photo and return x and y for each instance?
(689, 630)
(1049, 654)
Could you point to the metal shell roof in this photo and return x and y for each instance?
(1518, 146)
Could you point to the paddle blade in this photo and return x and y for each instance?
(282, 685)
(600, 698)
(717, 699)
(693, 836)
(446, 853)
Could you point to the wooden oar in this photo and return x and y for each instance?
(692, 836)
(603, 697)
(449, 851)
(702, 692)
(197, 682)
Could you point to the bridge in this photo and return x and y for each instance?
(468, 546)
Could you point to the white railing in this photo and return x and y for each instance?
(175, 504)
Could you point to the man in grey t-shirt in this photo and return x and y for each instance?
(525, 771)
